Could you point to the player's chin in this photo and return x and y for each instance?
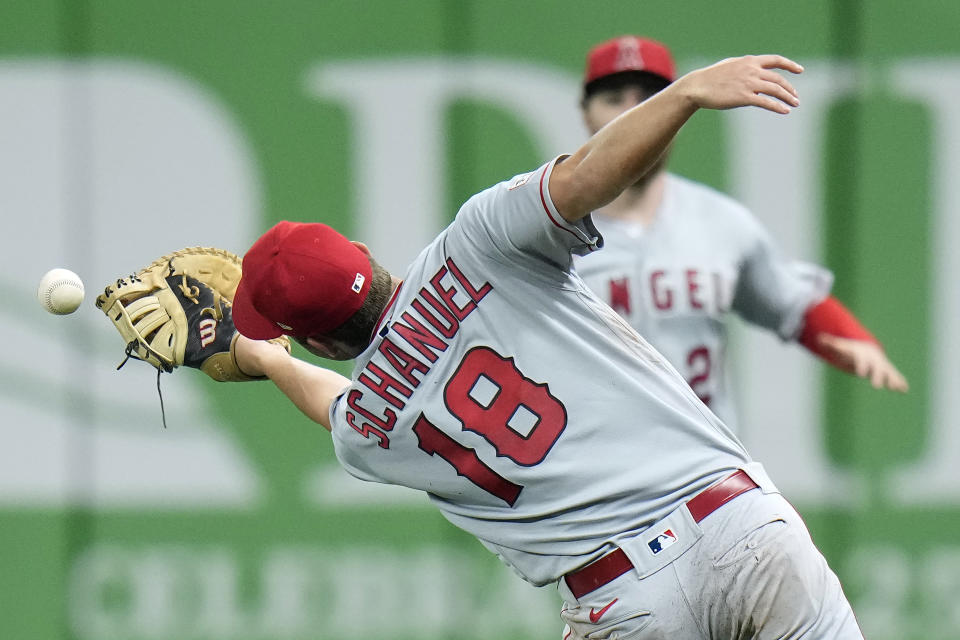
(330, 349)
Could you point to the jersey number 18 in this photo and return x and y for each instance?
(508, 399)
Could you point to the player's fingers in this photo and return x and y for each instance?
(775, 61)
(768, 103)
(776, 78)
(779, 92)
(897, 382)
(886, 376)
(878, 377)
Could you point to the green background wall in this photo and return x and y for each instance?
(306, 553)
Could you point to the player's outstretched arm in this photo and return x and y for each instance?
(619, 154)
(313, 389)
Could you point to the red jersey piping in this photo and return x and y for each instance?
(546, 208)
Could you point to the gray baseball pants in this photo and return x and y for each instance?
(752, 572)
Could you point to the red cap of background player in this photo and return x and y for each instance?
(300, 280)
(629, 53)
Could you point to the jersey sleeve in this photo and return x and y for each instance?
(516, 221)
(355, 454)
(774, 292)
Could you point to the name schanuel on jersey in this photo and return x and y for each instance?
(411, 346)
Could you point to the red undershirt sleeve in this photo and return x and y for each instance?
(831, 317)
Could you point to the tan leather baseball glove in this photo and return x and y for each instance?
(177, 311)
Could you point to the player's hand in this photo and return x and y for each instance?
(863, 359)
(743, 82)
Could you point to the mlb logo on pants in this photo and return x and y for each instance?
(662, 541)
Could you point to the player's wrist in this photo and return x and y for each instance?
(685, 92)
(256, 357)
(831, 317)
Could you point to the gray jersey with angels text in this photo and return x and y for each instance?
(676, 279)
(533, 416)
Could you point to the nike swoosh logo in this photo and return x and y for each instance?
(596, 615)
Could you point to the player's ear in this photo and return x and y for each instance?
(583, 113)
(363, 248)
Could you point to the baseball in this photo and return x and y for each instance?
(60, 291)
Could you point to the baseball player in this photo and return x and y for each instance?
(679, 256)
(491, 378)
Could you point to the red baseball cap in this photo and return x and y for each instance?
(629, 53)
(300, 279)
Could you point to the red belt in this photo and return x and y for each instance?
(615, 564)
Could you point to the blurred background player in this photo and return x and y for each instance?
(679, 255)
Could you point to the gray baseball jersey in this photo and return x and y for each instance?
(675, 280)
(533, 416)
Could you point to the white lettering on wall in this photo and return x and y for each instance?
(298, 592)
(397, 107)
